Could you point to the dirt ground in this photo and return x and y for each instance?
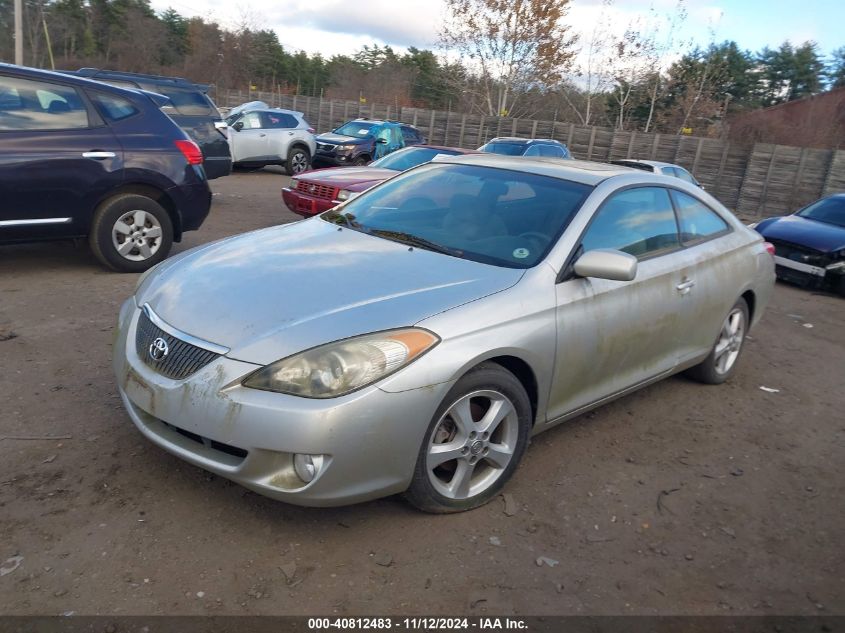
(679, 499)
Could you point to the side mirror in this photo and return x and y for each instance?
(382, 141)
(238, 126)
(606, 263)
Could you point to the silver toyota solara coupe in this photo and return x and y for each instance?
(414, 338)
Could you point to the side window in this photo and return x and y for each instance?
(638, 221)
(534, 150)
(251, 120)
(698, 221)
(114, 108)
(669, 171)
(551, 150)
(279, 121)
(187, 102)
(683, 174)
(35, 105)
(410, 135)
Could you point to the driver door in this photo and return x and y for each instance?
(614, 335)
(251, 142)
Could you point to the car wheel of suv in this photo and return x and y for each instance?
(721, 363)
(361, 161)
(298, 161)
(474, 442)
(131, 233)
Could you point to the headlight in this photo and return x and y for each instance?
(345, 194)
(345, 148)
(294, 182)
(338, 368)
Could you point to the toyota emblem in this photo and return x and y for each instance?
(158, 349)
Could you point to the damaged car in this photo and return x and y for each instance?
(414, 338)
(810, 244)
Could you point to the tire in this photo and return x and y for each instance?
(298, 161)
(438, 490)
(361, 161)
(117, 220)
(720, 365)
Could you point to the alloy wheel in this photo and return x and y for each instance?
(472, 444)
(730, 341)
(299, 162)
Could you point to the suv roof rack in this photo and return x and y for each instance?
(94, 72)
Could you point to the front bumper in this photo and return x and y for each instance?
(305, 205)
(807, 274)
(370, 438)
(333, 158)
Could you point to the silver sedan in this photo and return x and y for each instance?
(414, 338)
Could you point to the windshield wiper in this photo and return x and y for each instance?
(415, 240)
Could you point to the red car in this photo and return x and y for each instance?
(320, 190)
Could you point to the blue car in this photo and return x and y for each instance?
(82, 159)
(810, 244)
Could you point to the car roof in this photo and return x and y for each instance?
(280, 111)
(379, 122)
(459, 150)
(71, 79)
(582, 171)
(526, 141)
(652, 163)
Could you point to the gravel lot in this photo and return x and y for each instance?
(679, 499)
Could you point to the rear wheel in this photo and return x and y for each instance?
(131, 233)
(298, 161)
(721, 363)
(474, 442)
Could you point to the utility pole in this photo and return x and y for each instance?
(19, 32)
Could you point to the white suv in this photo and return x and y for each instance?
(260, 136)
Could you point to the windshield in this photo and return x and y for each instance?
(410, 157)
(508, 149)
(495, 216)
(828, 210)
(357, 129)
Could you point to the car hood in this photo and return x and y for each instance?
(804, 232)
(331, 137)
(343, 176)
(271, 293)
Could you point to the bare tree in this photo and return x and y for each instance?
(662, 47)
(592, 78)
(513, 43)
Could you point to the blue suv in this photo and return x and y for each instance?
(85, 159)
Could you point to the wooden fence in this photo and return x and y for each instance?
(756, 181)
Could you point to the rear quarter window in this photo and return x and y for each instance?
(186, 102)
(112, 107)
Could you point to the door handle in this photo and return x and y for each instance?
(685, 286)
(98, 155)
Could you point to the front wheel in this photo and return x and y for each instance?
(720, 364)
(474, 442)
(131, 233)
(298, 161)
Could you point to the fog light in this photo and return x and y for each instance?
(307, 466)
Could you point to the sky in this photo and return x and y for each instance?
(333, 27)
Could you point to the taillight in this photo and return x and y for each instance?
(311, 130)
(770, 248)
(190, 151)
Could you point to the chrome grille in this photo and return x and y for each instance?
(182, 358)
(318, 191)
